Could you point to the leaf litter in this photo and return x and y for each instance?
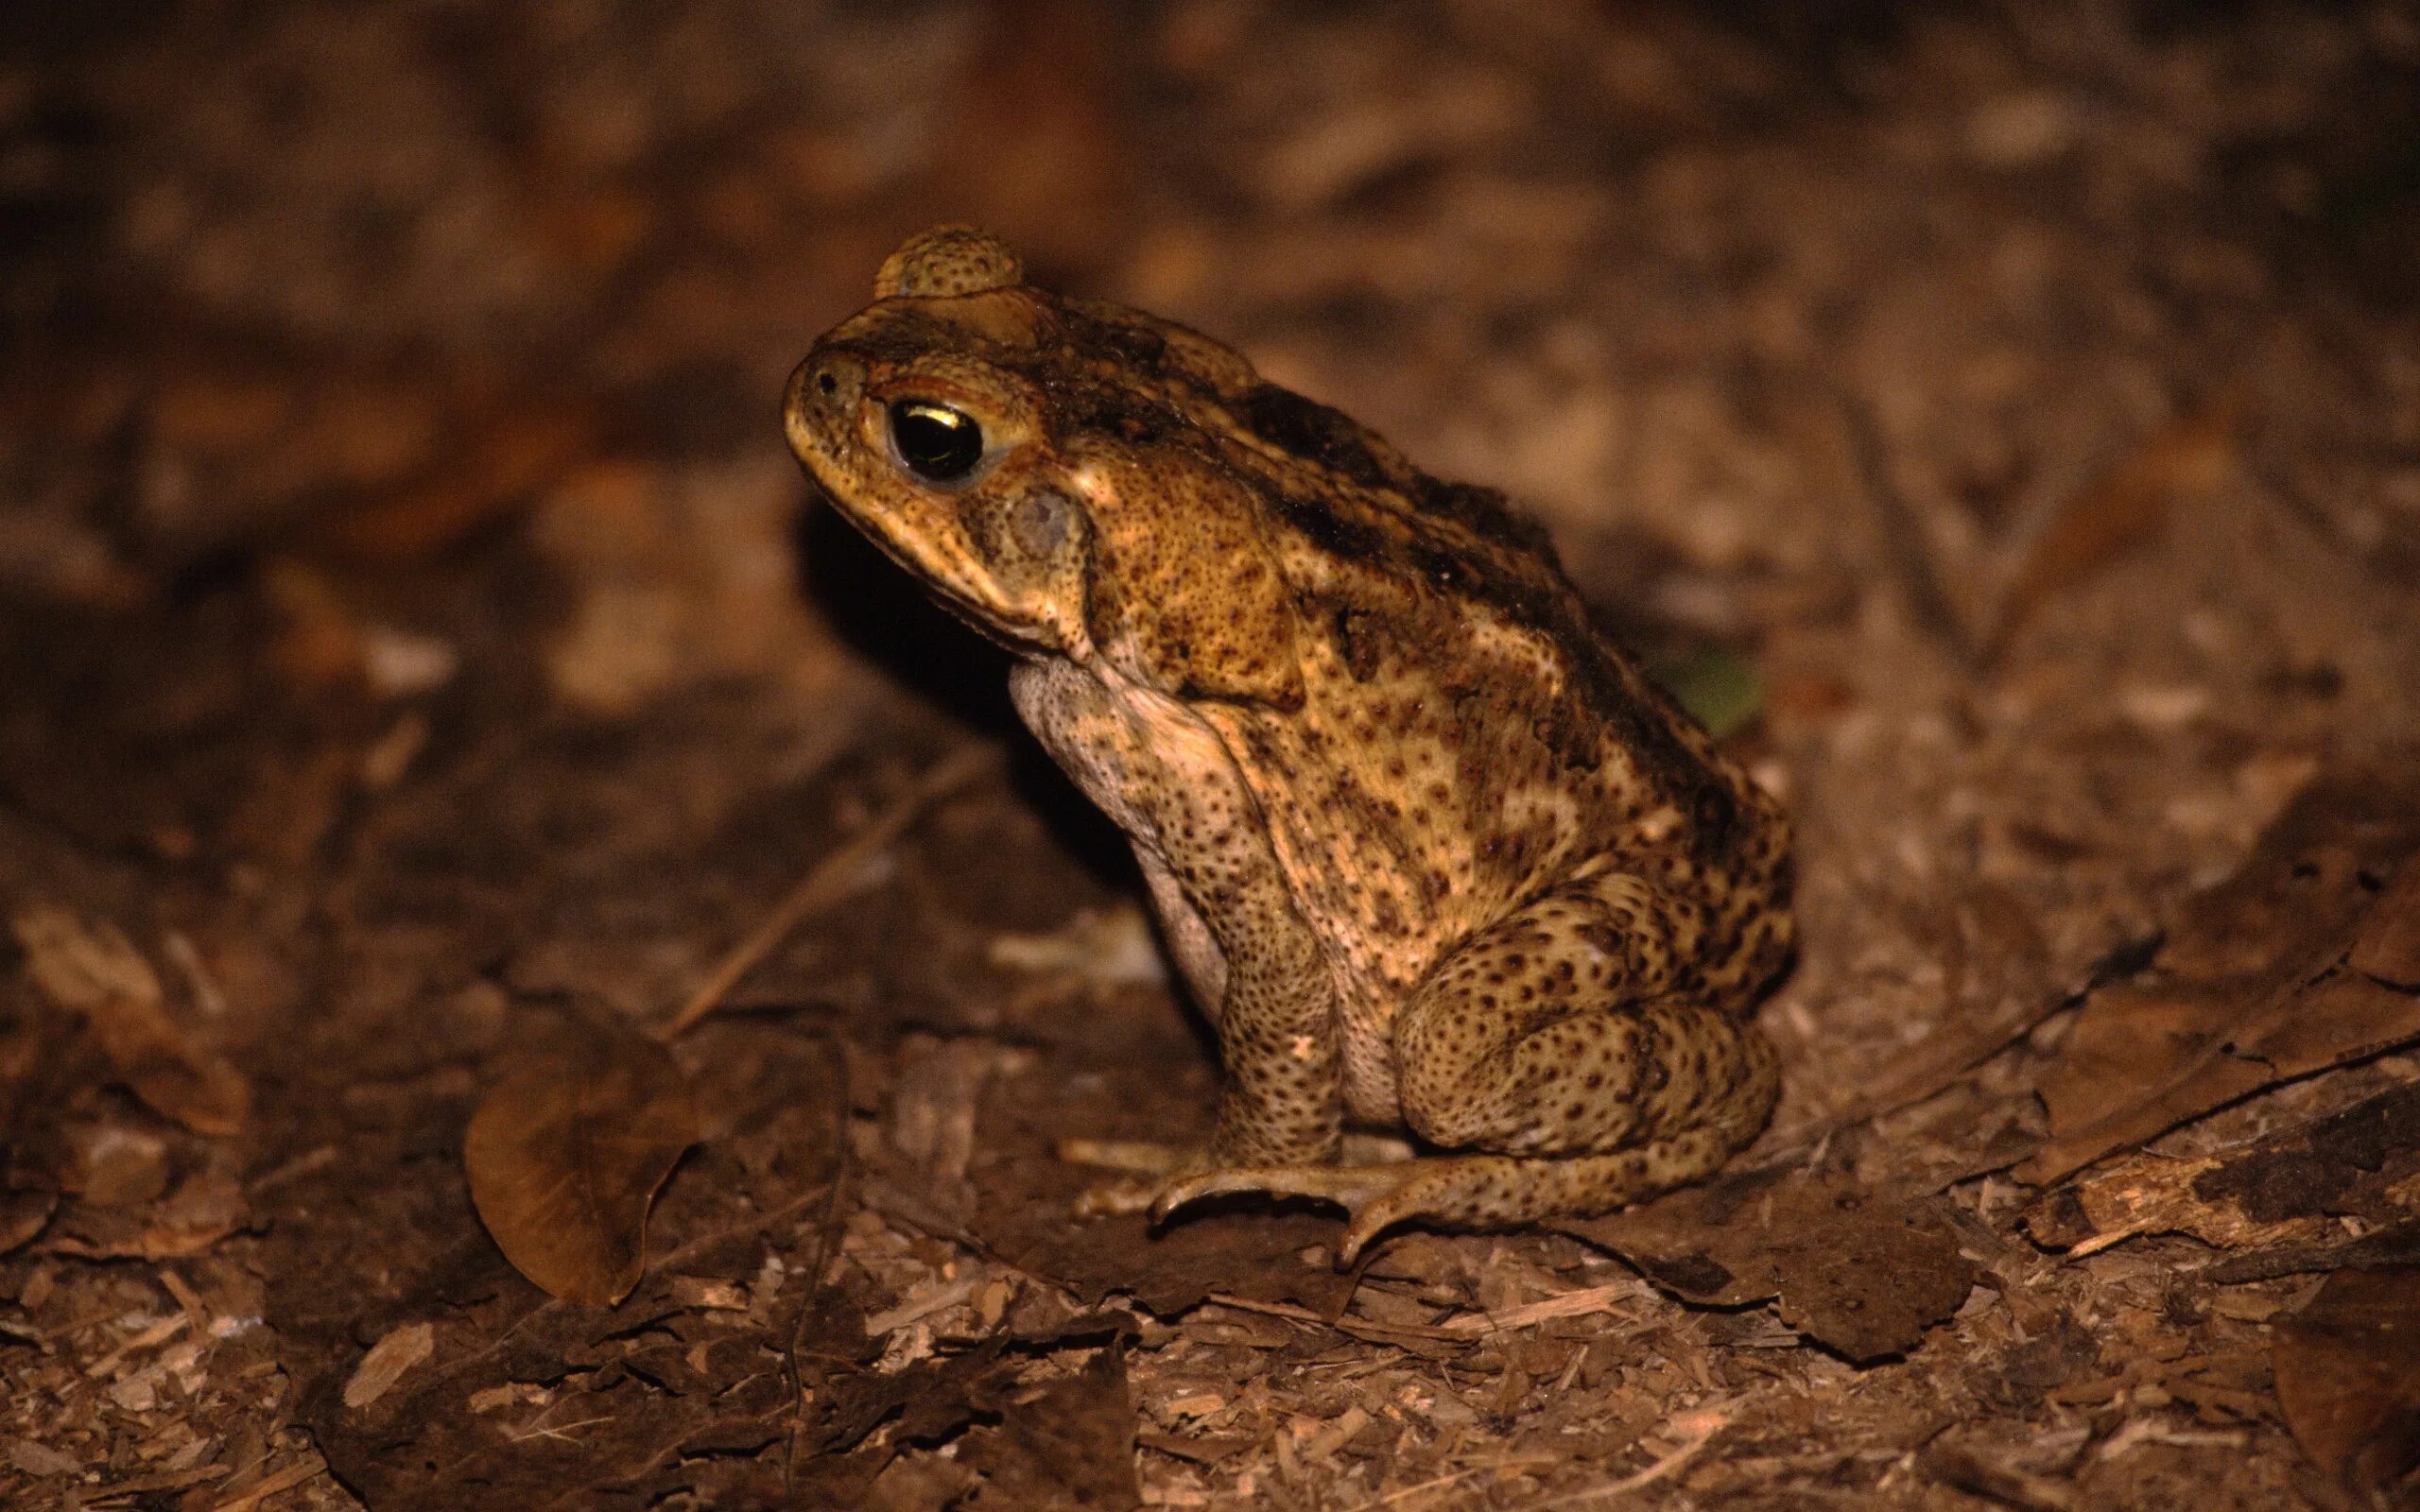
(2348, 1377)
(607, 732)
(565, 1157)
(2121, 513)
(1857, 1271)
(2303, 960)
(91, 968)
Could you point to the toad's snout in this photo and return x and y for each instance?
(823, 394)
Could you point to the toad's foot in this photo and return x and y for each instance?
(1464, 1191)
(1372, 1197)
(1169, 1165)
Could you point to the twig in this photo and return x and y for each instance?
(1709, 1421)
(160, 1332)
(922, 1306)
(1439, 1483)
(827, 1237)
(758, 1223)
(196, 1310)
(1358, 1328)
(1901, 534)
(828, 882)
(1943, 1067)
(539, 1428)
(1563, 1305)
(1456, 1330)
(309, 1467)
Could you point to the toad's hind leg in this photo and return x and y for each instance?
(1586, 1024)
(1576, 1049)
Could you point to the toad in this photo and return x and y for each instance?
(1430, 853)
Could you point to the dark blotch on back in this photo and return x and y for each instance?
(1346, 539)
(1442, 568)
(1125, 413)
(1311, 430)
(1138, 347)
(1356, 634)
(1483, 512)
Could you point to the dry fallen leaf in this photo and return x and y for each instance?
(94, 970)
(2291, 966)
(500, 460)
(1072, 1446)
(207, 1207)
(23, 1213)
(2388, 948)
(565, 1159)
(1861, 1272)
(2120, 512)
(2349, 1377)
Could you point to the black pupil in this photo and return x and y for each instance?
(939, 444)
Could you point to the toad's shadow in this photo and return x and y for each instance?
(883, 614)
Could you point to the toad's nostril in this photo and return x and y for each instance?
(829, 383)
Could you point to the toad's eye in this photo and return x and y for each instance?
(936, 443)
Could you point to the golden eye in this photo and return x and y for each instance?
(936, 443)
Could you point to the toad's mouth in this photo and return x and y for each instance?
(960, 607)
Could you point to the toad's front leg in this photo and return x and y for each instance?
(1261, 976)
(1281, 1102)
(1252, 961)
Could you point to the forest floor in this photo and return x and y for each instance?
(425, 673)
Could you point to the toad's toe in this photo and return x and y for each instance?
(1372, 1197)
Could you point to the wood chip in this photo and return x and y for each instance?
(397, 1351)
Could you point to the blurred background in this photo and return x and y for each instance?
(342, 287)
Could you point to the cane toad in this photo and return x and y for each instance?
(1430, 853)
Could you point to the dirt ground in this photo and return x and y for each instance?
(423, 676)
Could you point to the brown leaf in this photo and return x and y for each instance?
(472, 1427)
(2262, 980)
(565, 1159)
(320, 643)
(2120, 512)
(2390, 949)
(25, 1211)
(1862, 1272)
(503, 457)
(2348, 1377)
(94, 970)
(204, 1210)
